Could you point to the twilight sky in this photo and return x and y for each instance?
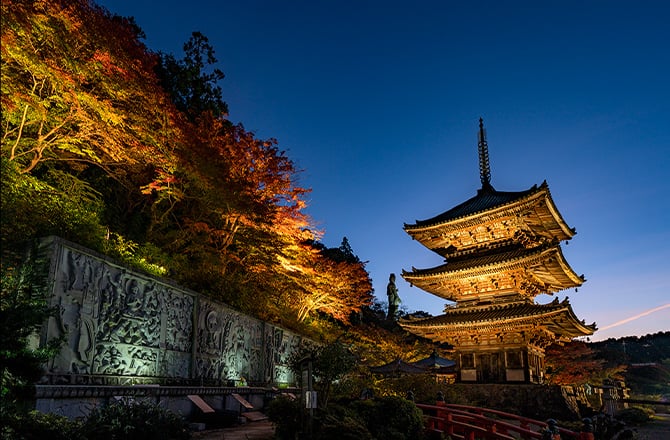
(378, 102)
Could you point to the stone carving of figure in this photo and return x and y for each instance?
(71, 326)
(179, 321)
(75, 295)
(394, 299)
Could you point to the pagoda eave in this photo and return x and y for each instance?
(556, 318)
(528, 272)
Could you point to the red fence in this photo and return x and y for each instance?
(470, 423)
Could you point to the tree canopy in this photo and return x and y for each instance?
(130, 152)
(191, 85)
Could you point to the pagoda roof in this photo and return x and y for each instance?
(487, 198)
(478, 261)
(549, 269)
(557, 317)
(489, 204)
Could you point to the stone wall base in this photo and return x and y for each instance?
(78, 401)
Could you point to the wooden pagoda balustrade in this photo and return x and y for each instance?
(470, 423)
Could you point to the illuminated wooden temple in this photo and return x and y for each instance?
(501, 250)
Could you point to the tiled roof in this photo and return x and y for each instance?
(492, 314)
(487, 313)
(398, 366)
(434, 361)
(486, 198)
(504, 254)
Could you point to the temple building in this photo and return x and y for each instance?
(501, 250)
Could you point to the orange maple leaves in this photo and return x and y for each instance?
(80, 93)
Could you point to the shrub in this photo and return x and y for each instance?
(347, 427)
(391, 418)
(35, 425)
(422, 385)
(634, 416)
(285, 414)
(130, 420)
(387, 418)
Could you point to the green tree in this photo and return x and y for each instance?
(192, 81)
(23, 310)
(330, 363)
(342, 253)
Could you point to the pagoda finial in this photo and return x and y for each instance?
(484, 167)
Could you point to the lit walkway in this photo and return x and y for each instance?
(263, 430)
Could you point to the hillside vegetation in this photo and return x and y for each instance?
(643, 363)
(647, 360)
(129, 151)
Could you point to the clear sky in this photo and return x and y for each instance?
(378, 102)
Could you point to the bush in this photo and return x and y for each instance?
(347, 427)
(387, 418)
(391, 418)
(35, 425)
(285, 414)
(634, 416)
(129, 420)
(423, 386)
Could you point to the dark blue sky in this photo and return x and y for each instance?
(378, 102)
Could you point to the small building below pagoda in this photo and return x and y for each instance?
(441, 369)
(501, 250)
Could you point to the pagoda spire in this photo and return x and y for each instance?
(484, 167)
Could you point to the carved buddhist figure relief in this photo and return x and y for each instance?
(179, 324)
(119, 324)
(75, 296)
(130, 310)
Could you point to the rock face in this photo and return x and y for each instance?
(121, 326)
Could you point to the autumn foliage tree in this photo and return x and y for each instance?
(575, 363)
(315, 282)
(74, 87)
(80, 114)
(130, 152)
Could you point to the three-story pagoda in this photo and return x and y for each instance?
(501, 250)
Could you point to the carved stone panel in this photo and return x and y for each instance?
(116, 322)
(121, 326)
(229, 344)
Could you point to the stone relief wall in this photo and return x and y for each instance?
(229, 344)
(116, 323)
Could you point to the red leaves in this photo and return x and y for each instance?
(79, 91)
(164, 181)
(575, 363)
(107, 63)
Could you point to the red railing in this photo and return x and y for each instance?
(471, 422)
